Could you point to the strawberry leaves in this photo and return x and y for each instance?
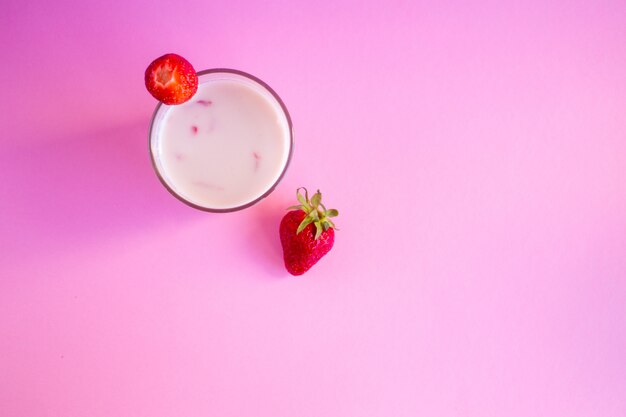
(316, 212)
(307, 221)
(332, 213)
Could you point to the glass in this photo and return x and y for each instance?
(203, 77)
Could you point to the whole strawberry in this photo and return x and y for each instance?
(306, 233)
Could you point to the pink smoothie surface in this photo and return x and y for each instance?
(225, 147)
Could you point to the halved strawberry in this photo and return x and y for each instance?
(171, 79)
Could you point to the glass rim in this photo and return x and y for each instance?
(271, 188)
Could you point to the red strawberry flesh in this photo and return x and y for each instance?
(164, 75)
(171, 79)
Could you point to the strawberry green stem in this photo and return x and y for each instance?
(316, 212)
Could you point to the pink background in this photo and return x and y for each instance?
(475, 150)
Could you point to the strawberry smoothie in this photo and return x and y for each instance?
(225, 148)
